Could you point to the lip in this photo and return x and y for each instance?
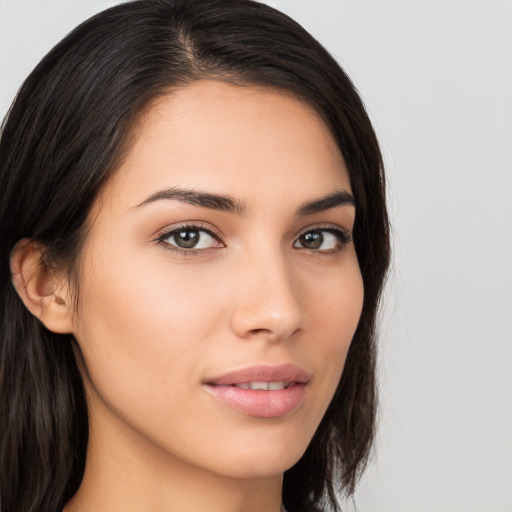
(262, 372)
(261, 403)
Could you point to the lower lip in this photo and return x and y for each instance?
(260, 403)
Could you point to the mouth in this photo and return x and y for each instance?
(261, 391)
(264, 386)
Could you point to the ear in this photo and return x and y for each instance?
(43, 295)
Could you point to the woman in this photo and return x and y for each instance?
(194, 242)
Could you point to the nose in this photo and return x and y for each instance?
(268, 303)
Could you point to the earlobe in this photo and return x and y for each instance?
(40, 292)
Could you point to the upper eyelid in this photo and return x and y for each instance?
(166, 233)
(169, 230)
(326, 227)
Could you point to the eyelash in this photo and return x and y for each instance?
(343, 238)
(162, 237)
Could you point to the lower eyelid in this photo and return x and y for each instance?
(162, 240)
(343, 238)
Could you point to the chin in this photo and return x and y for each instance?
(261, 460)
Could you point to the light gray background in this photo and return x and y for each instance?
(437, 79)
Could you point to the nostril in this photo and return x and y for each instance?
(259, 331)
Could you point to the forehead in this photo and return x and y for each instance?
(231, 139)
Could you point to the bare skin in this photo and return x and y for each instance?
(174, 294)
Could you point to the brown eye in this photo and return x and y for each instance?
(186, 239)
(190, 238)
(312, 240)
(322, 240)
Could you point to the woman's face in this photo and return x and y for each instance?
(219, 286)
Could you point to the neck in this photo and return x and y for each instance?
(125, 471)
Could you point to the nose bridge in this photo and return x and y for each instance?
(268, 302)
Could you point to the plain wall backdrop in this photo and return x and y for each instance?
(436, 77)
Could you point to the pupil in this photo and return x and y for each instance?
(312, 240)
(187, 239)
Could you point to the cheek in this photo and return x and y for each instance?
(337, 304)
(342, 311)
(144, 332)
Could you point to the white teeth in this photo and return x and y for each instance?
(267, 386)
(259, 385)
(276, 385)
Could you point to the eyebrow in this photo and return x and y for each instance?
(333, 200)
(197, 198)
(229, 204)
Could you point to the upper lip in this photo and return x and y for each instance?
(262, 373)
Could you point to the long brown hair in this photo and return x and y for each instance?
(62, 138)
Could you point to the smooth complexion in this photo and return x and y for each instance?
(179, 289)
